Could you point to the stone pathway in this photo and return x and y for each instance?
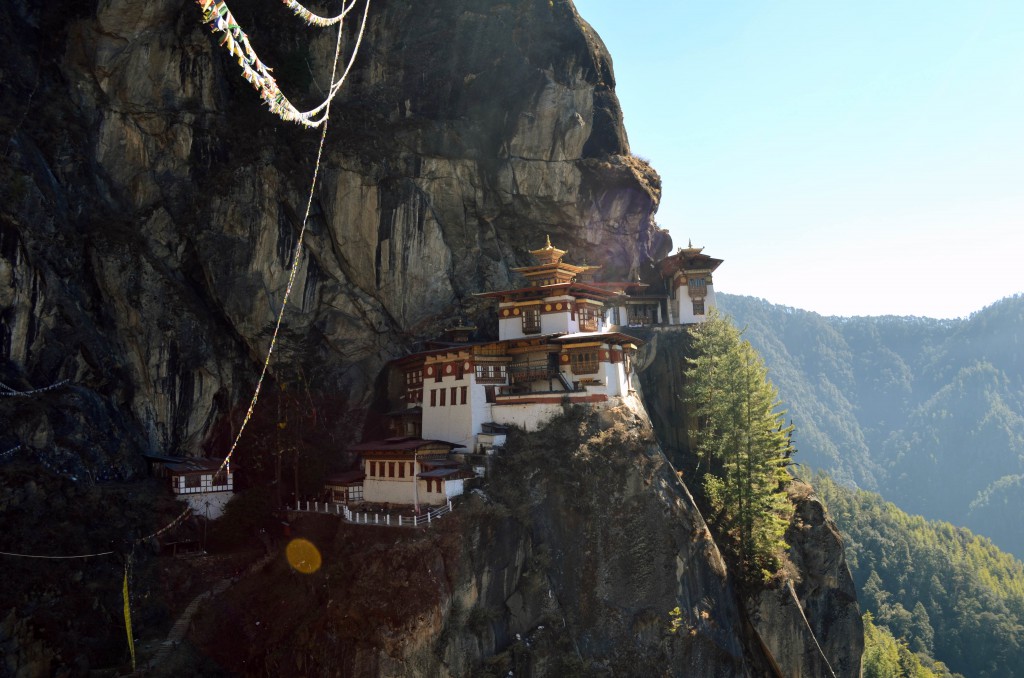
(181, 625)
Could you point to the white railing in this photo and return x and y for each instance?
(371, 518)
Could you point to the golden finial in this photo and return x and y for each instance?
(548, 245)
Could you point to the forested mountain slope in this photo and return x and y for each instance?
(946, 592)
(929, 413)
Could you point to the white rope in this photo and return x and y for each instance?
(29, 555)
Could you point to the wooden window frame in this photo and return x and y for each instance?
(585, 362)
(531, 320)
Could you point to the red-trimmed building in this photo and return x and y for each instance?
(394, 471)
(559, 342)
(555, 346)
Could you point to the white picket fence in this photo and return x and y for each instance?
(371, 518)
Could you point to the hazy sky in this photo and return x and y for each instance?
(849, 158)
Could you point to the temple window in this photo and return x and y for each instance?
(465, 390)
(433, 397)
(444, 393)
(454, 391)
(584, 362)
(698, 307)
(490, 373)
(698, 287)
(531, 320)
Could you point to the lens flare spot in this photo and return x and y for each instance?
(302, 556)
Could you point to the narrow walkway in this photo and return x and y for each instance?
(181, 625)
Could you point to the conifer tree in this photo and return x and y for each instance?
(741, 441)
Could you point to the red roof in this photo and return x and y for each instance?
(598, 336)
(398, 444)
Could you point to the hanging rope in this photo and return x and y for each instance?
(316, 19)
(6, 390)
(258, 74)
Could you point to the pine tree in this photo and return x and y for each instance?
(741, 441)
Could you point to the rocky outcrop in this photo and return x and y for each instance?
(807, 619)
(810, 623)
(584, 554)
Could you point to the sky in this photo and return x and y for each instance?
(848, 158)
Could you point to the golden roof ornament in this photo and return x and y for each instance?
(548, 254)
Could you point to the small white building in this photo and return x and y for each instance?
(689, 284)
(207, 485)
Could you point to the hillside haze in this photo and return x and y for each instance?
(926, 412)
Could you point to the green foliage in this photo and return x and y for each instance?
(887, 657)
(741, 441)
(935, 587)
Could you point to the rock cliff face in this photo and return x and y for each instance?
(148, 210)
(151, 207)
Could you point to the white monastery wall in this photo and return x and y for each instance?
(510, 328)
(683, 306)
(390, 490)
(529, 417)
(454, 488)
(214, 502)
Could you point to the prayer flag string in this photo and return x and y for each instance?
(128, 612)
(316, 19)
(6, 390)
(4, 455)
(217, 15)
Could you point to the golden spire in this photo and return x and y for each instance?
(548, 254)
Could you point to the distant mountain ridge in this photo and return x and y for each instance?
(929, 413)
